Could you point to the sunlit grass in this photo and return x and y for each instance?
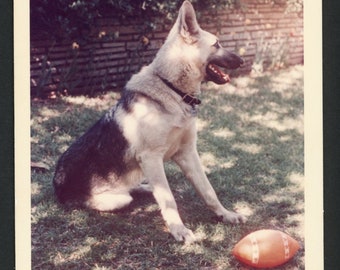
(251, 145)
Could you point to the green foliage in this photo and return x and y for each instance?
(60, 19)
(70, 19)
(295, 6)
(44, 77)
(73, 20)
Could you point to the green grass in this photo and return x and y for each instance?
(251, 142)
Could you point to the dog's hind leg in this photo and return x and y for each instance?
(143, 187)
(109, 201)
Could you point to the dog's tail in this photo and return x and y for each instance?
(65, 188)
(59, 184)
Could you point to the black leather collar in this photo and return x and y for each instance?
(185, 97)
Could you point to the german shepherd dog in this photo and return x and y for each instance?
(154, 121)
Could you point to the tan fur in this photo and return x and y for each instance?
(166, 129)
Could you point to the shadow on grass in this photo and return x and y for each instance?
(251, 144)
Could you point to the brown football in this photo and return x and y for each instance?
(265, 248)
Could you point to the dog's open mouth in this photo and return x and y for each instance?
(215, 74)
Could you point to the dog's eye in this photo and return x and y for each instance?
(217, 45)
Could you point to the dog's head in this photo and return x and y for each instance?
(201, 48)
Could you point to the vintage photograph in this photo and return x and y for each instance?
(167, 134)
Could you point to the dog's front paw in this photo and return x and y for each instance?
(182, 234)
(232, 217)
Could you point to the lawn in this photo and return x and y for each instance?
(251, 142)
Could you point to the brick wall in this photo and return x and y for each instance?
(266, 35)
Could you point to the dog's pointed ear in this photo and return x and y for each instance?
(188, 25)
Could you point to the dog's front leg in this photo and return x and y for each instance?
(190, 163)
(153, 170)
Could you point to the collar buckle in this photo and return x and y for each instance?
(187, 98)
(191, 100)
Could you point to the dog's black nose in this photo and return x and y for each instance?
(236, 61)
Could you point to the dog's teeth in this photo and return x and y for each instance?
(226, 78)
(213, 69)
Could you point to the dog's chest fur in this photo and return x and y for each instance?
(155, 125)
